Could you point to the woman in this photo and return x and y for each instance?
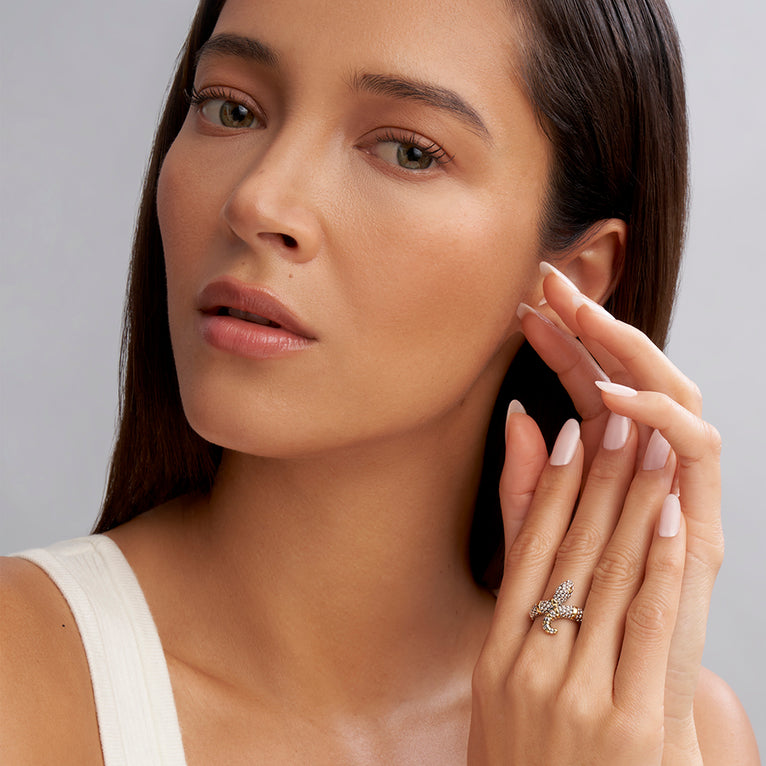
(351, 209)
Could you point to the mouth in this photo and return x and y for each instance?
(254, 304)
(224, 311)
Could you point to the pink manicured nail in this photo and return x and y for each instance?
(657, 451)
(524, 309)
(616, 389)
(617, 430)
(670, 517)
(547, 268)
(566, 443)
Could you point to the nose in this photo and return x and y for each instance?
(270, 207)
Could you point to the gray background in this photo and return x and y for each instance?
(82, 84)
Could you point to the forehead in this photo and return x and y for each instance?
(474, 31)
(466, 45)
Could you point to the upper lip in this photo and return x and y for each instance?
(231, 293)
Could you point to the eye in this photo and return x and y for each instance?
(409, 151)
(224, 109)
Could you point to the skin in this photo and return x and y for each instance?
(328, 612)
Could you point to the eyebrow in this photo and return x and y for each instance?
(407, 89)
(240, 46)
(390, 86)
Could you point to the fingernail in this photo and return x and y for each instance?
(523, 310)
(616, 389)
(547, 268)
(513, 407)
(617, 430)
(578, 299)
(566, 443)
(657, 451)
(670, 517)
(543, 302)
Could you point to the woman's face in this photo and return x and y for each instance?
(377, 171)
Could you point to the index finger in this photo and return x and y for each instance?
(623, 352)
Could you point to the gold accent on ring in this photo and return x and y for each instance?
(554, 609)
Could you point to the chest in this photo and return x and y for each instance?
(220, 726)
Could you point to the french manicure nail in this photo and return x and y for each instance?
(547, 268)
(617, 430)
(523, 310)
(657, 451)
(513, 407)
(578, 299)
(670, 517)
(616, 389)
(566, 443)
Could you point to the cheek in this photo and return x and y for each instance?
(433, 288)
(454, 265)
(187, 206)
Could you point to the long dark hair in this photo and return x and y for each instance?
(605, 79)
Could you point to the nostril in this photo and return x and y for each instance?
(289, 241)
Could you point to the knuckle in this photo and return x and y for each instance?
(713, 437)
(580, 709)
(488, 675)
(582, 542)
(647, 619)
(616, 570)
(692, 396)
(530, 677)
(530, 547)
(708, 553)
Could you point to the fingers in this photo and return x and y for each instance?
(697, 446)
(619, 572)
(622, 351)
(529, 558)
(598, 511)
(696, 443)
(525, 458)
(568, 358)
(576, 369)
(640, 677)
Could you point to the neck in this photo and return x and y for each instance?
(348, 573)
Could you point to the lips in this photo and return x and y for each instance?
(255, 305)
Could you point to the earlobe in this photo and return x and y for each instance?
(596, 262)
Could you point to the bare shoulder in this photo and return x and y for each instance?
(47, 712)
(723, 729)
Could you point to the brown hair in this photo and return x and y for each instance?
(605, 79)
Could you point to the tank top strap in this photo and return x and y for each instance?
(137, 718)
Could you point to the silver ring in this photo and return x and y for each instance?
(554, 609)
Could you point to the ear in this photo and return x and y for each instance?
(596, 262)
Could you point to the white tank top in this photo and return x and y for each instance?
(137, 718)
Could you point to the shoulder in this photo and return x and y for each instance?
(723, 729)
(47, 712)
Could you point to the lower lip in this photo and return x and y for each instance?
(248, 339)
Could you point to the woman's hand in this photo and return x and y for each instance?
(593, 695)
(667, 401)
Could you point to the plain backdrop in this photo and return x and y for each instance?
(82, 86)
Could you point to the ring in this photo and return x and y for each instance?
(554, 608)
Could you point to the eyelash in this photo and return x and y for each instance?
(197, 98)
(437, 153)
